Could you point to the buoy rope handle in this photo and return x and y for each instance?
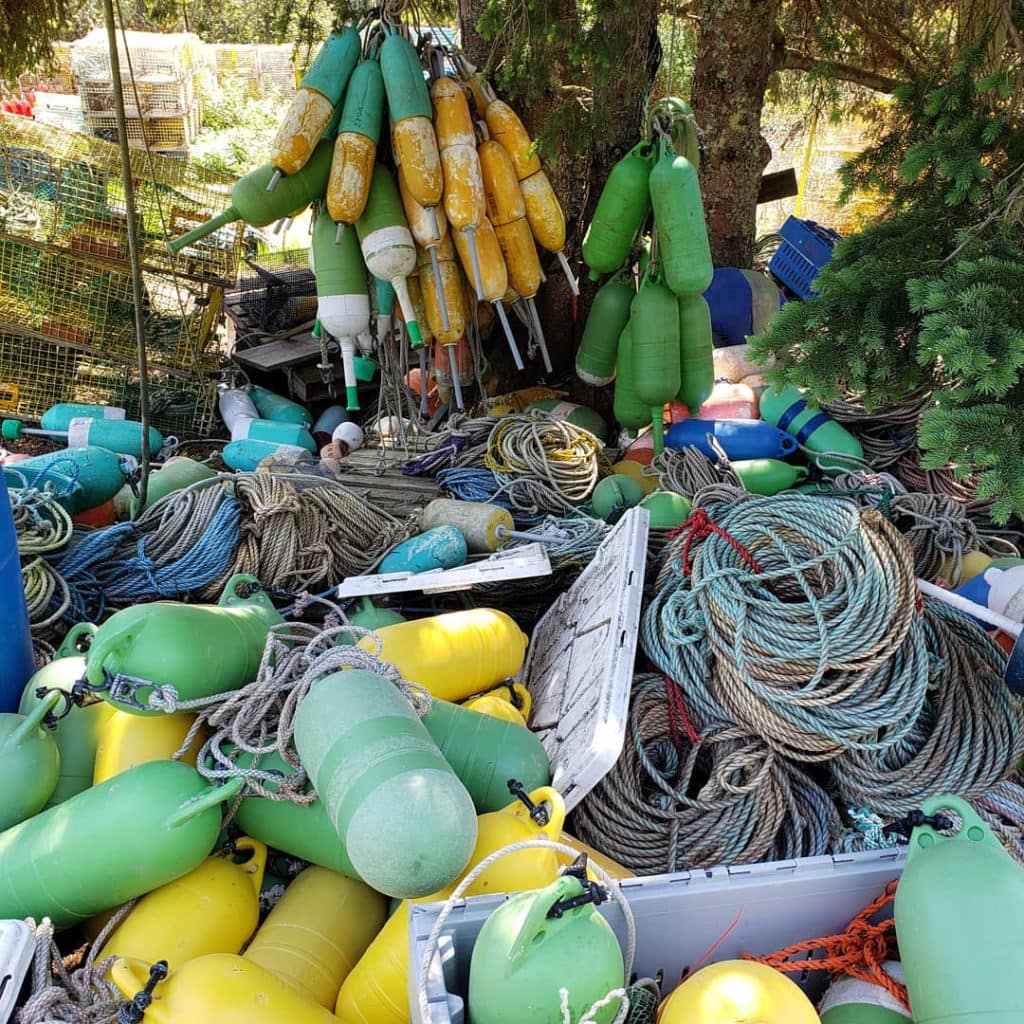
(859, 951)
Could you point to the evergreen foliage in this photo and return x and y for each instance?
(932, 294)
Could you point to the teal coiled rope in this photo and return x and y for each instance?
(815, 652)
(802, 671)
(967, 737)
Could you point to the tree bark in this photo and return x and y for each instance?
(735, 56)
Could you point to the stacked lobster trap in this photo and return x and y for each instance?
(67, 327)
(161, 77)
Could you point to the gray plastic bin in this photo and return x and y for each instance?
(679, 917)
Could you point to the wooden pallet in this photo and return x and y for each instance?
(394, 493)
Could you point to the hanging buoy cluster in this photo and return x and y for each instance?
(444, 211)
(655, 341)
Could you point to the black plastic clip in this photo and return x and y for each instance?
(54, 716)
(914, 819)
(592, 891)
(133, 1010)
(83, 692)
(538, 812)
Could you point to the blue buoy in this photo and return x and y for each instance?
(443, 547)
(741, 439)
(16, 661)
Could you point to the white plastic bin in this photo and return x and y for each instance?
(679, 918)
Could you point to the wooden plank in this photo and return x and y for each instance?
(279, 355)
(392, 491)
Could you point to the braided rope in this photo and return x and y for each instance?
(677, 800)
(687, 471)
(258, 719)
(292, 530)
(886, 434)
(562, 456)
(77, 996)
(944, 480)
(804, 649)
(968, 735)
(41, 526)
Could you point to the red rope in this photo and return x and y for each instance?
(677, 714)
(859, 951)
(698, 527)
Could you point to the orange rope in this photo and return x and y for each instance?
(859, 951)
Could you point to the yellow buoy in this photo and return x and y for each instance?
(221, 987)
(377, 989)
(213, 909)
(318, 931)
(511, 703)
(128, 740)
(737, 992)
(643, 475)
(973, 563)
(456, 654)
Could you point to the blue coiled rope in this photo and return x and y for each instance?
(95, 574)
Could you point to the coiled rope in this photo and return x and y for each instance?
(791, 633)
(463, 442)
(292, 530)
(42, 526)
(562, 456)
(886, 434)
(528, 498)
(1002, 807)
(944, 480)
(803, 603)
(938, 526)
(678, 799)
(688, 471)
(966, 738)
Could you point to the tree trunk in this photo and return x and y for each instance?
(619, 98)
(735, 56)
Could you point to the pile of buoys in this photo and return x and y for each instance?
(449, 214)
(242, 794)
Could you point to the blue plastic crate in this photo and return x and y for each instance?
(806, 248)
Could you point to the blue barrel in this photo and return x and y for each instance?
(742, 303)
(16, 661)
(333, 416)
(741, 439)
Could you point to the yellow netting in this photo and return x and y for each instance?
(36, 373)
(816, 155)
(66, 310)
(65, 190)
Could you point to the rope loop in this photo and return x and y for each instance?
(700, 526)
(860, 951)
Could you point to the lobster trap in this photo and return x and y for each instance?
(276, 291)
(157, 133)
(88, 303)
(36, 373)
(65, 190)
